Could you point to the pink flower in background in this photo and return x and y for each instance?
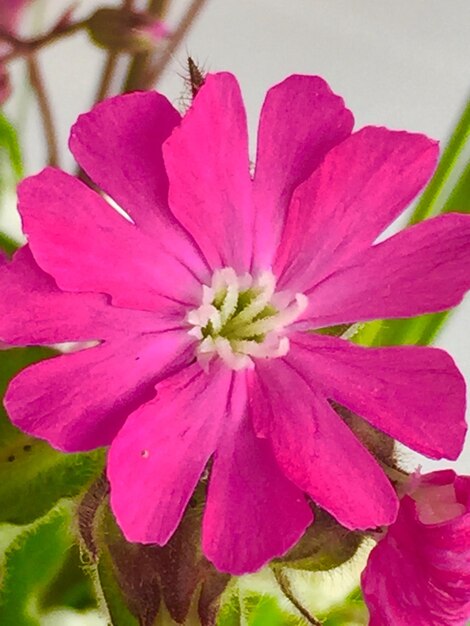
(201, 297)
(10, 12)
(419, 573)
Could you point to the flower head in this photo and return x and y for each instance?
(203, 295)
(419, 573)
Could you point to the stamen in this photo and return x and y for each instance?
(241, 318)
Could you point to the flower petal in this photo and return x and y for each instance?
(422, 269)
(316, 449)
(79, 401)
(54, 316)
(420, 573)
(119, 145)
(414, 394)
(301, 120)
(362, 185)
(86, 245)
(253, 512)
(207, 163)
(157, 458)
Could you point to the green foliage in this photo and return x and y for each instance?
(34, 476)
(30, 562)
(11, 161)
(7, 244)
(350, 612)
(261, 610)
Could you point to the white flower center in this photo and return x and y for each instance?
(242, 317)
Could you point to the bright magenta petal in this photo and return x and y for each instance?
(119, 144)
(362, 185)
(414, 394)
(79, 401)
(419, 573)
(301, 120)
(207, 163)
(317, 451)
(86, 245)
(157, 458)
(422, 269)
(54, 316)
(253, 512)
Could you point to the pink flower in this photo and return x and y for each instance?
(419, 573)
(10, 11)
(201, 297)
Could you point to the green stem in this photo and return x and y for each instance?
(136, 76)
(286, 588)
(186, 22)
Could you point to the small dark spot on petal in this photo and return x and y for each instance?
(144, 454)
(137, 358)
(11, 458)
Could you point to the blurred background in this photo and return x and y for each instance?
(396, 63)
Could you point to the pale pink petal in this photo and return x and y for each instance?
(157, 458)
(79, 401)
(419, 573)
(206, 159)
(422, 269)
(362, 185)
(80, 240)
(253, 512)
(414, 394)
(33, 310)
(301, 120)
(316, 449)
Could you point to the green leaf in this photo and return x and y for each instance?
(29, 564)
(230, 609)
(34, 476)
(351, 611)
(260, 610)
(7, 244)
(10, 152)
(71, 587)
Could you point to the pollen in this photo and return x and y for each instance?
(242, 318)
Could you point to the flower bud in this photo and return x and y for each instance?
(143, 581)
(121, 30)
(325, 545)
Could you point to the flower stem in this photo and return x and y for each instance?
(286, 589)
(28, 47)
(136, 76)
(186, 22)
(107, 76)
(37, 84)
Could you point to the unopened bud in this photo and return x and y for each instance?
(121, 30)
(324, 546)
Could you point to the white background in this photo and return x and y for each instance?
(400, 63)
